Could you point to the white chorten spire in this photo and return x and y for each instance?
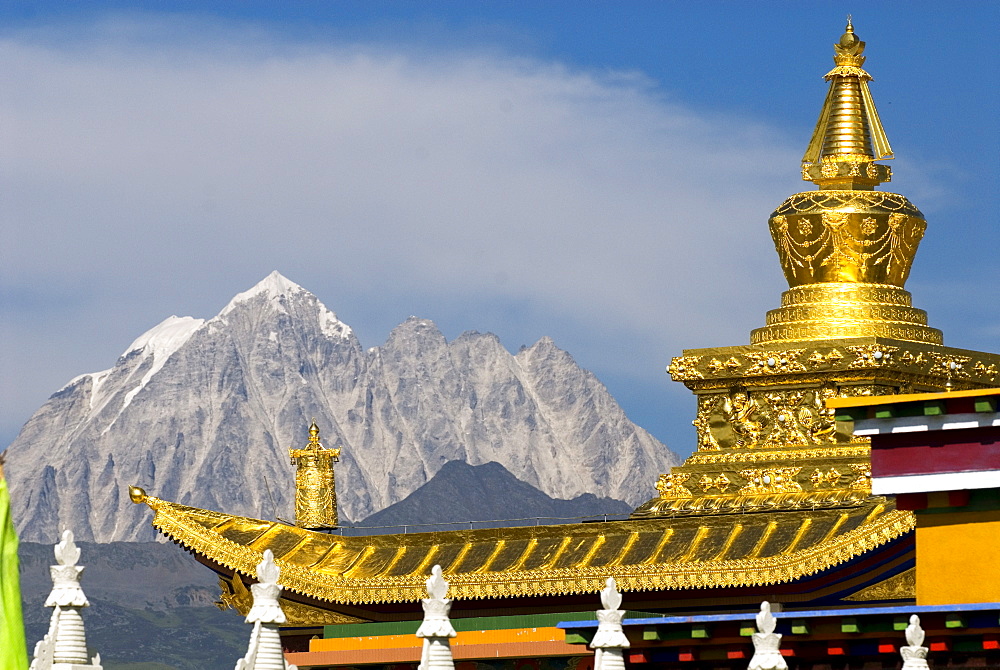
(436, 627)
(610, 640)
(766, 654)
(264, 652)
(914, 653)
(64, 647)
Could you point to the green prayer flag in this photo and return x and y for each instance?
(13, 651)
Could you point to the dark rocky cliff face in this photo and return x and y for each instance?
(460, 495)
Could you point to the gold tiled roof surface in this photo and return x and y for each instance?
(642, 554)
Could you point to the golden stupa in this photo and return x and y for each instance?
(776, 500)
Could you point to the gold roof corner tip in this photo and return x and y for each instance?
(849, 136)
(136, 495)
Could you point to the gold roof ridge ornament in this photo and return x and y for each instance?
(315, 486)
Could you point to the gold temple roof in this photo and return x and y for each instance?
(641, 554)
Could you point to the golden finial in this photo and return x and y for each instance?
(314, 442)
(136, 494)
(846, 251)
(849, 136)
(848, 50)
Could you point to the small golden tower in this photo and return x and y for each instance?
(315, 488)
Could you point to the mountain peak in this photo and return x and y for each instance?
(273, 286)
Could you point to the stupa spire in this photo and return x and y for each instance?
(849, 136)
(847, 249)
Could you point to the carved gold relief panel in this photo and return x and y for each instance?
(747, 419)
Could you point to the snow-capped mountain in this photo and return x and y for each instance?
(203, 413)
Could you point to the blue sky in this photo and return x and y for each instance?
(600, 172)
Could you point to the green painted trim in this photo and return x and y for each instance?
(986, 405)
(900, 622)
(849, 625)
(701, 631)
(851, 413)
(980, 500)
(800, 627)
(935, 408)
(954, 620)
(663, 633)
(885, 412)
(651, 633)
(968, 645)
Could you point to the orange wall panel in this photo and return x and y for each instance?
(958, 558)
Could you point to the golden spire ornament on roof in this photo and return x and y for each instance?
(315, 487)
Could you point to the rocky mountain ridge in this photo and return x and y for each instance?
(203, 413)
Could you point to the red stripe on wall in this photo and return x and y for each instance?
(930, 452)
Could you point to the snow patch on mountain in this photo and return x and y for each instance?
(97, 378)
(160, 342)
(331, 326)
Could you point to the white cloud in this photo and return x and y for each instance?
(145, 177)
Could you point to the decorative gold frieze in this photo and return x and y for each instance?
(818, 360)
(683, 367)
(703, 424)
(863, 476)
(950, 365)
(821, 478)
(770, 480)
(812, 363)
(708, 483)
(733, 457)
(871, 355)
(774, 362)
(672, 485)
(744, 419)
